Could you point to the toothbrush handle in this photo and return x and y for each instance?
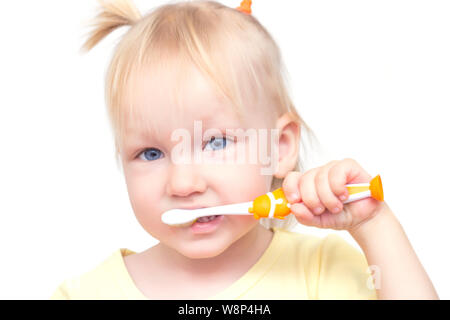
(229, 209)
(275, 205)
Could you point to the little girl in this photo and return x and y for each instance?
(201, 69)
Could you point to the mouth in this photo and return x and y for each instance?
(206, 224)
(206, 219)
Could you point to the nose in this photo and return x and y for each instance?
(184, 180)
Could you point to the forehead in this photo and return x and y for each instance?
(161, 101)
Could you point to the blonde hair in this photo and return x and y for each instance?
(230, 48)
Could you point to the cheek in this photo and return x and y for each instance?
(238, 183)
(144, 198)
(242, 223)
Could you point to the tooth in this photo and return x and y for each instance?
(206, 219)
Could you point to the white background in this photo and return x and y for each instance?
(372, 79)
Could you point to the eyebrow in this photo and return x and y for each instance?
(147, 130)
(143, 138)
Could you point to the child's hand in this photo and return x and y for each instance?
(319, 191)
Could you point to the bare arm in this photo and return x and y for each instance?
(386, 246)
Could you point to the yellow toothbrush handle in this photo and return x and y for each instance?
(275, 205)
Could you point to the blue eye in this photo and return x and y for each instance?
(150, 154)
(218, 144)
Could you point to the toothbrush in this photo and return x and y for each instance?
(270, 205)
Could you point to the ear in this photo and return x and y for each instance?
(288, 144)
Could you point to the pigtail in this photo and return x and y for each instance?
(245, 7)
(112, 15)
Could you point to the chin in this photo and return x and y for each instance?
(202, 251)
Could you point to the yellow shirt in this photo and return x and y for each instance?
(294, 266)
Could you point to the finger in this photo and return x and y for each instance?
(308, 192)
(346, 171)
(324, 221)
(324, 192)
(305, 216)
(291, 187)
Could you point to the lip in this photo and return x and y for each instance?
(191, 208)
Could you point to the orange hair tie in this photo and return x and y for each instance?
(245, 7)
